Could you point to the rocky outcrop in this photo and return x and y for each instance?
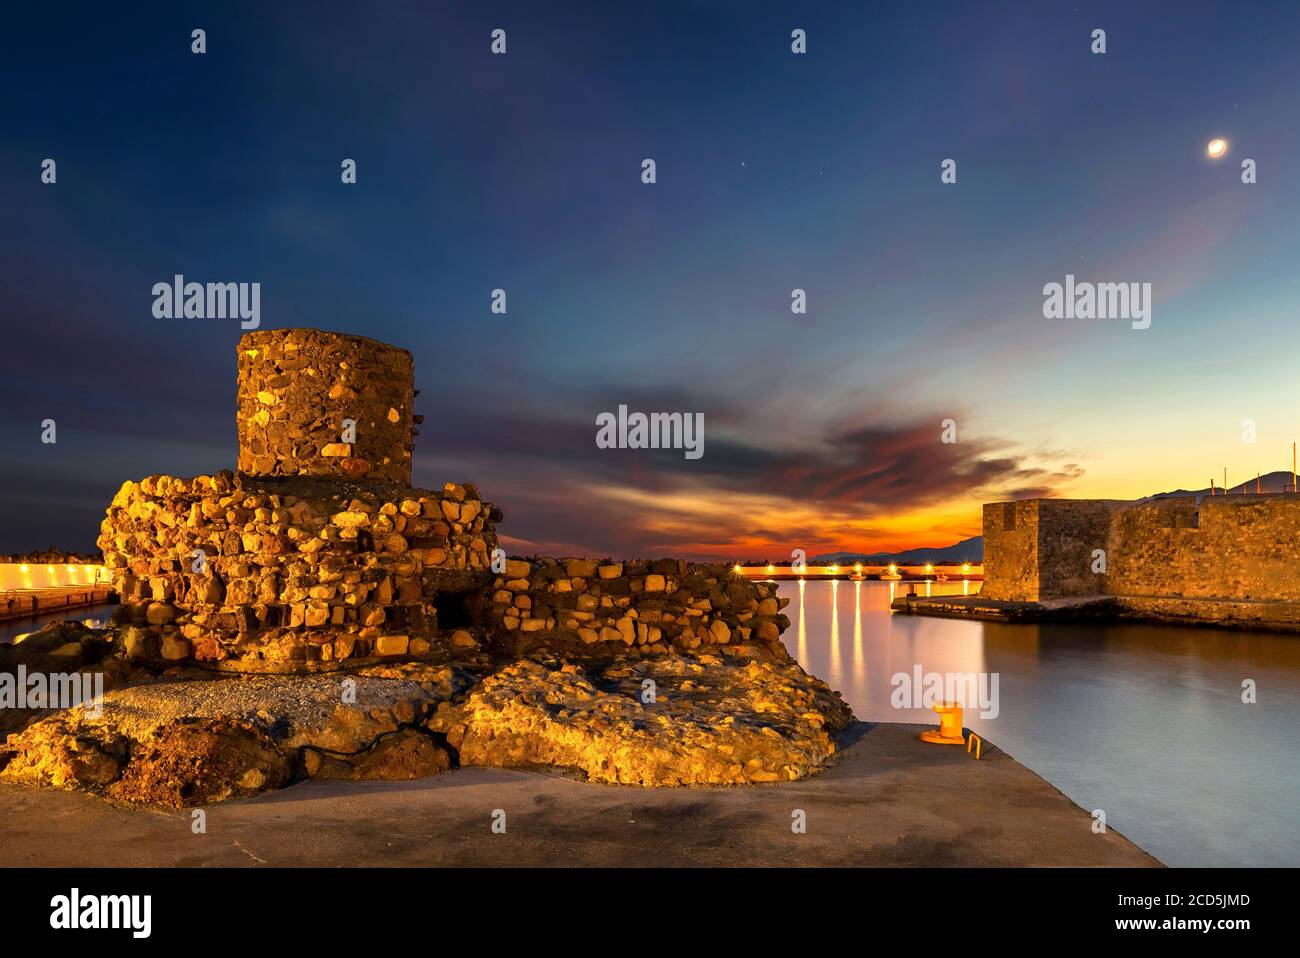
(192, 739)
(405, 754)
(59, 647)
(675, 720)
(180, 762)
(62, 752)
(62, 660)
(197, 761)
(744, 715)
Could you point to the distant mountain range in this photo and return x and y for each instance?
(972, 550)
(968, 550)
(1279, 481)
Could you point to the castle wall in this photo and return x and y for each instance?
(296, 388)
(1069, 532)
(1011, 551)
(1233, 547)
(1230, 548)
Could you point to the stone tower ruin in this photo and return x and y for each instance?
(297, 390)
(317, 550)
(318, 554)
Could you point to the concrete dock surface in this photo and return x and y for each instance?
(889, 800)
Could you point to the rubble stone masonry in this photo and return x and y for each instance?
(299, 387)
(276, 575)
(1236, 548)
(312, 557)
(643, 606)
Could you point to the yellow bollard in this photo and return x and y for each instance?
(949, 730)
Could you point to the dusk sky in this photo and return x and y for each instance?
(775, 171)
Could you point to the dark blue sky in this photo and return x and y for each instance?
(775, 171)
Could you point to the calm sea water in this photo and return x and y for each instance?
(1145, 722)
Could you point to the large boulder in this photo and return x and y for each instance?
(60, 646)
(398, 756)
(194, 741)
(61, 752)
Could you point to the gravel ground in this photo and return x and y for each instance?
(303, 701)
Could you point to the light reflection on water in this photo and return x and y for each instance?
(1145, 722)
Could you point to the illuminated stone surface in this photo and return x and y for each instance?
(317, 573)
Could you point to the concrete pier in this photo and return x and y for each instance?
(20, 603)
(890, 799)
(1263, 616)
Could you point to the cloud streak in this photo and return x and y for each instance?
(871, 486)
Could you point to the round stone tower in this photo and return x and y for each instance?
(315, 403)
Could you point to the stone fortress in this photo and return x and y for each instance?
(255, 602)
(1218, 560)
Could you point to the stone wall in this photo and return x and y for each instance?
(1229, 548)
(1011, 551)
(1239, 547)
(313, 558)
(296, 388)
(649, 607)
(281, 574)
(1069, 532)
